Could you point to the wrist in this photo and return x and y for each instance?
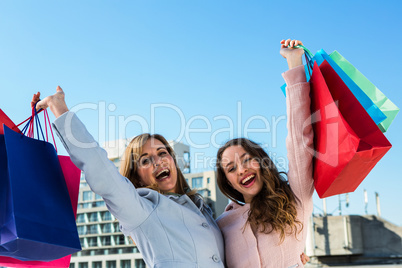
(58, 110)
(294, 62)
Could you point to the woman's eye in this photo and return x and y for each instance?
(247, 160)
(145, 161)
(231, 169)
(163, 153)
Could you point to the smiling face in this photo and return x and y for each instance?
(242, 171)
(156, 165)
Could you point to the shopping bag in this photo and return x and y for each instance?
(375, 113)
(72, 177)
(380, 100)
(4, 119)
(348, 144)
(39, 222)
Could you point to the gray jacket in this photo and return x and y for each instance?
(170, 231)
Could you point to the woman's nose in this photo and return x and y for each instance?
(157, 161)
(241, 169)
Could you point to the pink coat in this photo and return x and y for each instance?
(249, 250)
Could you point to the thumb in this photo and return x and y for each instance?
(59, 89)
(42, 104)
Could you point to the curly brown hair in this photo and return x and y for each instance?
(274, 207)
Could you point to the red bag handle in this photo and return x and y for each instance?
(31, 125)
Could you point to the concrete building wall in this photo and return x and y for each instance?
(353, 239)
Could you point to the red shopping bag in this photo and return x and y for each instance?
(72, 177)
(4, 119)
(348, 144)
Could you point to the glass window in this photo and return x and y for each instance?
(208, 180)
(106, 228)
(72, 265)
(87, 195)
(92, 229)
(82, 242)
(92, 242)
(111, 264)
(113, 251)
(139, 263)
(96, 264)
(125, 264)
(83, 265)
(119, 240)
(196, 182)
(93, 217)
(98, 197)
(106, 240)
(99, 252)
(204, 193)
(106, 216)
(99, 204)
(82, 230)
(116, 227)
(85, 253)
(80, 218)
(87, 205)
(83, 183)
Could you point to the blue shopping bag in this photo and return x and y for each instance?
(375, 113)
(36, 219)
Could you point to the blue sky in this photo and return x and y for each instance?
(188, 67)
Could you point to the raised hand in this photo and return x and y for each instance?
(290, 53)
(55, 102)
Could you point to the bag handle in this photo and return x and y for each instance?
(34, 120)
(308, 57)
(30, 125)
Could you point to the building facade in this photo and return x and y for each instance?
(207, 187)
(103, 244)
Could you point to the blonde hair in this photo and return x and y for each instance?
(129, 164)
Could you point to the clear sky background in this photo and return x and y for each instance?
(199, 72)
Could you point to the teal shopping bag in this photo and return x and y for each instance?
(379, 99)
(371, 108)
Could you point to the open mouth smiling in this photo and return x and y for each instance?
(163, 174)
(248, 180)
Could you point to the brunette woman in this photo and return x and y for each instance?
(265, 224)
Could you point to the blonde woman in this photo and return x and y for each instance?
(170, 224)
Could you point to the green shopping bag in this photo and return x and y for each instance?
(379, 99)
